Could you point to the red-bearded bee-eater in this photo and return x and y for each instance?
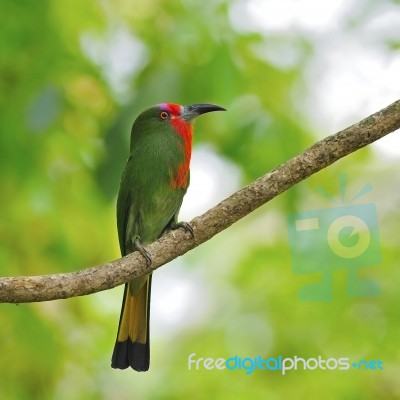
(152, 187)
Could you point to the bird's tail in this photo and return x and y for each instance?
(132, 345)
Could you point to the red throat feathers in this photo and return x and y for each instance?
(183, 128)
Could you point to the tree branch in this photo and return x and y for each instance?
(22, 289)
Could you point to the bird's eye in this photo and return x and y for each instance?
(164, 115)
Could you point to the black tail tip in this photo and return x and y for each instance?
(131, 354)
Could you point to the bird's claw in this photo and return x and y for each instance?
(142, 250)
(184, 225)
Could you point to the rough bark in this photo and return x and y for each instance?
(23, 289)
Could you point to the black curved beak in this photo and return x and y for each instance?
(194, 110)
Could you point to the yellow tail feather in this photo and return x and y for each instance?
(132, 345)
(134, 315)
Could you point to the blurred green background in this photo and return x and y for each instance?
(74, 75)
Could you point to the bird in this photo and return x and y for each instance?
(152, 187)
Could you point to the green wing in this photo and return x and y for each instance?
(124, 203)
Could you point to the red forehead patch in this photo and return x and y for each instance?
(174, 109)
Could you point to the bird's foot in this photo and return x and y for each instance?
(142, 250)
(184, 225)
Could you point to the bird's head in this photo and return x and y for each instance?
(162, 125)
(162, 117)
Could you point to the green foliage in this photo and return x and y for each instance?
(72, 79)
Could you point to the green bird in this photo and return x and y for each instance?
(152, 188)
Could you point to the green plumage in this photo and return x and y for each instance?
(146, 201)
(146, 207)
(152, 187)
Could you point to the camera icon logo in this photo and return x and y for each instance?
(349, 236)
(345, 237)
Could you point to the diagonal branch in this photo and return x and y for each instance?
(22, 289)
